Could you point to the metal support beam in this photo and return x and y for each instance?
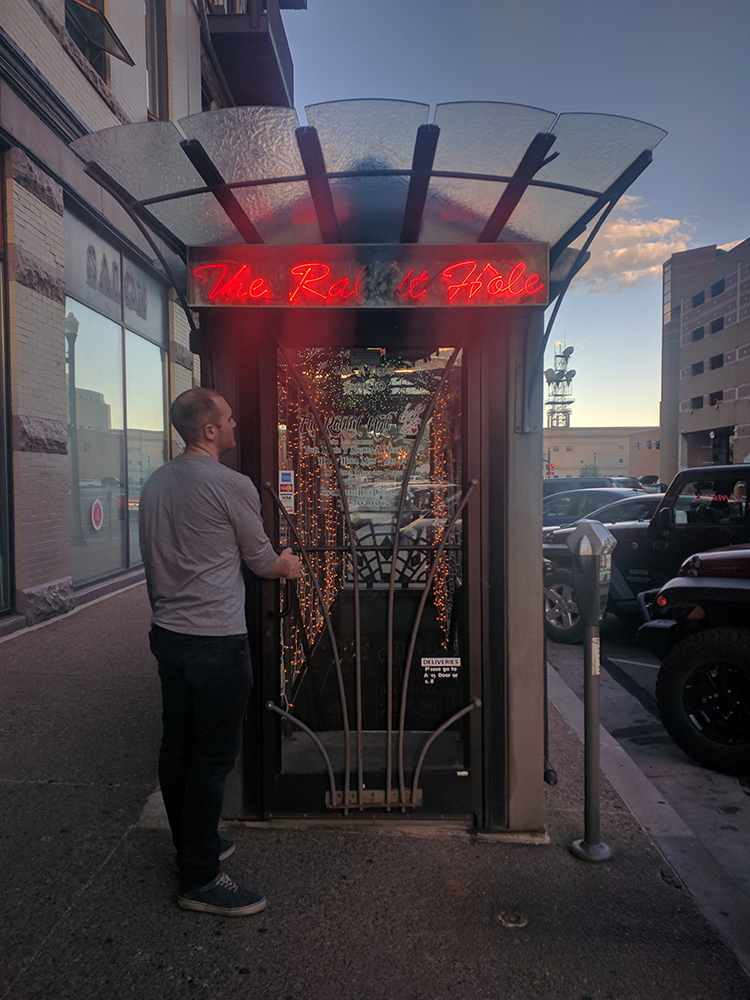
(320, 189)
(531, 163)
(610, 196)
(134, 208)
(421, 165)
(205, 166)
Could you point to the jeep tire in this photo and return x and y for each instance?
(703, 693)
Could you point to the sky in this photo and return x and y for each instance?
(679, 64)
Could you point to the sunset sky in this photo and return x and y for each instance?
(679, 64)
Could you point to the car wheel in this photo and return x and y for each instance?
(562, 622)
(703, 692)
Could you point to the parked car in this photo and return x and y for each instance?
(568, 506)
(703, 508)
(700, 630)
(563, 483)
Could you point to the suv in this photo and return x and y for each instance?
(703, 509)
(702, 637)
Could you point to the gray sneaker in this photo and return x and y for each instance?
(224, 897)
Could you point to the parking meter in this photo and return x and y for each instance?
(591, 546)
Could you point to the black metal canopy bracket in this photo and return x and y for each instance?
(612, 195)
(134, 209)
(422, 161)
(531, 163)
(145, 221)
(211, 174)
(317, 177)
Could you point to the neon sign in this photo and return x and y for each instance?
(370, 276)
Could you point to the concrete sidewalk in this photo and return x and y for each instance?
(88, 903)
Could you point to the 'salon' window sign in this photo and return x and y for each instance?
(370, 276)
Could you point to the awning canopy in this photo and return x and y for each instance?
(372, 171)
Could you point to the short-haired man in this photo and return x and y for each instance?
(199, 521)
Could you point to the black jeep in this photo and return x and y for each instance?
(700, 630)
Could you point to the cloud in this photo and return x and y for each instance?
(630, 250)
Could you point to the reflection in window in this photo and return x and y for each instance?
(95, 443)
(145, 410)
(110, 456)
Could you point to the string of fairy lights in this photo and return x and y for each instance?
(368, 403)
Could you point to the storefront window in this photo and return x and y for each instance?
(96, 425)
(116, 335)
(113, 447)
(145, 408)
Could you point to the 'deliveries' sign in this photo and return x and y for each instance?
(370, 276)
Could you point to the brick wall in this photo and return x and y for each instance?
(38, 396)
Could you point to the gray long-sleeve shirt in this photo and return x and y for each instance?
(198, 521)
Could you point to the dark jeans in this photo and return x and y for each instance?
(205, 683)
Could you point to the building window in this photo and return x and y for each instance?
(696, 403)
(717, 361)
(716, 397)
(621, 461)
(699, 333)
(718, 324)
(157, 80)
(717, 288)
(568, 447)
(697, 368)
(556, 447)
(621, 447)
(116, 337)
(93, 34)
(699, 299)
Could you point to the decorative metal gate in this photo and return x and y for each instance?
(374, 681)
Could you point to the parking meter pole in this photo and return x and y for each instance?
(591, 847)
(591, 549)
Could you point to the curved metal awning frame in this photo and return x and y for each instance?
(499, 224)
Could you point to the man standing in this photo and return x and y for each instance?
(199, 521)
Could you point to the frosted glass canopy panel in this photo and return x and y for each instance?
(364, 136)
(146, 159)
(593, 150)
(248, 144)
(479, 137)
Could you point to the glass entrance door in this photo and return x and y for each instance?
(373, 700)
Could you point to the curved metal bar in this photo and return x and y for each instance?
(475, 703)
(413, 641)
(329, 767)
(345, 174)
(331, 634)
(427, 416)
(287, 602)
(355, 572)
(571, 274)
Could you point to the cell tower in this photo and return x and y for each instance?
(559, 398)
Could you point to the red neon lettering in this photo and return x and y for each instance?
(490, 280)
(308, 274)
(339, 288)
(410, 286)
(533, 284)
(233, 286)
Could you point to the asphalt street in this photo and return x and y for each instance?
(365, 910)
